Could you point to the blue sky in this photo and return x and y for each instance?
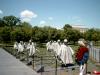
(55, 13)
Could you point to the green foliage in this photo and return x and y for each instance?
(25, 24)
(67, 26)
(22, 33)
(12, 29)
(17, 35)
(52, 34)
(92, 35)
(1, 23)
(5, 34)
(10, 20)
(44, 34)
(39, 34)
(71, 34)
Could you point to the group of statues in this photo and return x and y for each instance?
(22, 46)
(65, 53)
(61, 50)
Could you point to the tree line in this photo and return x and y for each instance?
(12, 29)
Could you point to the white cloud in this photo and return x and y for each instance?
(50, 18)
(75, 19)
(42, 22)
(1, 12)
(26, 20)
(28, 14)
(79, 26)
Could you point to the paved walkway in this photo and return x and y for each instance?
(9, 65)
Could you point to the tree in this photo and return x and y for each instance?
(11, 21)
(1, 23)
(67, 26)
(5, 34)
(22, 32)
(92, 35)
(26, 24)
(52, 33)
(39, 34)
(74, 35)
(70, 33)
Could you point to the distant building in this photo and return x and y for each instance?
(80, 28)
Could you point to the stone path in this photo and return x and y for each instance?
(9, 65)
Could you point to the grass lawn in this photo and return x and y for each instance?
(48, 57)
